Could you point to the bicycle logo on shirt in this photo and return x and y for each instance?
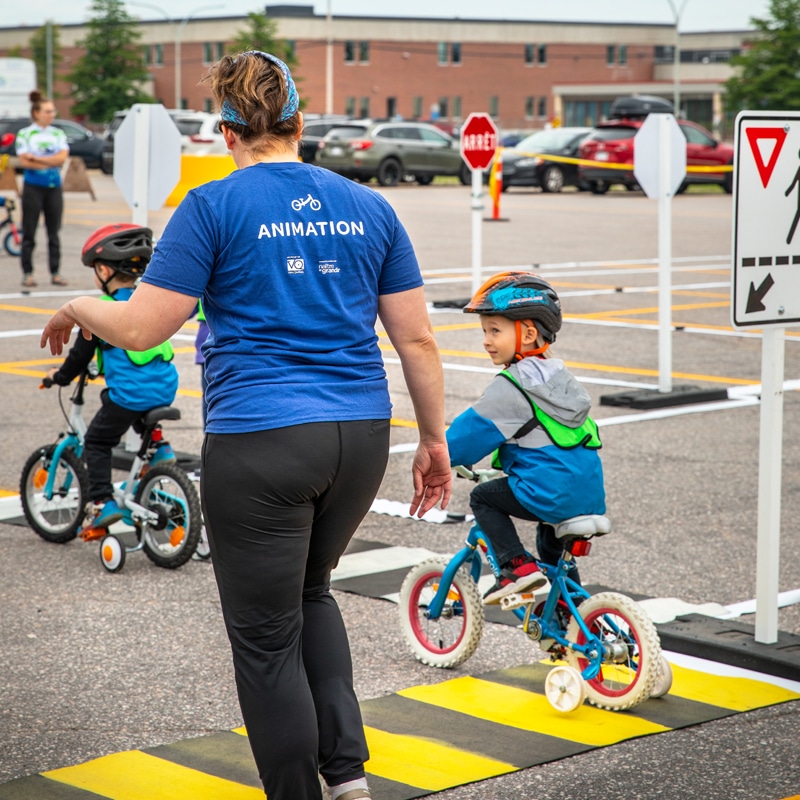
(307, 201)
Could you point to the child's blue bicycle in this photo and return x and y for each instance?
(158, 500)
(610, 646)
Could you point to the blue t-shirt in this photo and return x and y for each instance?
(289, 260)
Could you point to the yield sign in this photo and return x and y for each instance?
(765, 156)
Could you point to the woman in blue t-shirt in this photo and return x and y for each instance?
(42, 149)
(294, 265)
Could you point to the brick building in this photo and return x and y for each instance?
(525, 74)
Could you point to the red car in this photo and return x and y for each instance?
(612, 142)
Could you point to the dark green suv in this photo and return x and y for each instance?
(392, 152)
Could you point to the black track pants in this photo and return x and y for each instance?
(35, 201)
(280, 507)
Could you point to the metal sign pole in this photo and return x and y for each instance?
(664, 257)
(769, 485)
(477, 221)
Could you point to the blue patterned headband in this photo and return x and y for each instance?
(229, 114)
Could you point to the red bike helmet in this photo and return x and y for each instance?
(519, 296)
(123, 246)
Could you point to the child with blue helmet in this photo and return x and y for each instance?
(534, 415)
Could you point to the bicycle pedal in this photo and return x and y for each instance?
(91, 534)
(516, 600)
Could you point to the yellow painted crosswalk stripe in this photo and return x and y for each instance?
(529, 711)
(427, 763)
(737, 694)
(134, 775)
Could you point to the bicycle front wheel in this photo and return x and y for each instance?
(13, 243)
(454, 635)
(167, 490)
(57, 519)
(631, 651)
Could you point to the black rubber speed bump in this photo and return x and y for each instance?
(649, 398)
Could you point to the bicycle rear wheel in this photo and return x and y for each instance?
(631, 651)
(59, 518)
(454, 636)
(167, 490)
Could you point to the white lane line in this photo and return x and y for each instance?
(383, 559)
(726, 670)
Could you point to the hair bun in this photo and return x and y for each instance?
(35, 96)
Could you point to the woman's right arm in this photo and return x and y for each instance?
(405, 318)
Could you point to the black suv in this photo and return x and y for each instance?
(82, 142)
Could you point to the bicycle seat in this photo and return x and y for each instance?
(155, 415)
(582, 527)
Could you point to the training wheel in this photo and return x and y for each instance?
(203, 551)
(112, 553)
(565, 689)
(664, 680)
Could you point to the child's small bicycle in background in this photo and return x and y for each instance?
(12, 240)
(610, 646)
(158, 499)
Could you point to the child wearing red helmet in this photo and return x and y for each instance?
(535, 415)
(135, 381)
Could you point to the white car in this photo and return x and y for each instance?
(200, 133)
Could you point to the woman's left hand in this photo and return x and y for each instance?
(58, 330)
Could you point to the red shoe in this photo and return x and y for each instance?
(522, 575)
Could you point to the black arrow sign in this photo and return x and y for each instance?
(755, 296)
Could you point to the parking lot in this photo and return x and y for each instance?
(95, 663)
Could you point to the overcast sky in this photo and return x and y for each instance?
(695, 15)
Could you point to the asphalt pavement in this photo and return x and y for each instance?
(94, 663)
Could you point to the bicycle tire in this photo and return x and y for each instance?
(451, 639)
(168, 490)
(11, 245)
(57, 520)
(627, 675)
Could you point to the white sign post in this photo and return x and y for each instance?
(478, 142)
(147, 158)
(765, 292)
(659, 166)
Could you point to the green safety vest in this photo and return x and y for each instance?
(138, 357)
(561, 435)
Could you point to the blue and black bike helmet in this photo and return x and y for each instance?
(519, 296)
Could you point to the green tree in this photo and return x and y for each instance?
(768, 71)
(110, 74)
(262, 34)
(38, 46)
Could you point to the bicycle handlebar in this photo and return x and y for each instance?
(477, 475)
(46, 383)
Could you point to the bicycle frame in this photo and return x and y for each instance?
(562, 588)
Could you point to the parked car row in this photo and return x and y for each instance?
(611, 142)
(82, 141)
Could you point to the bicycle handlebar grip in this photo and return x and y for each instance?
(46, 383)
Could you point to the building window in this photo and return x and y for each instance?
(443, 108)
(530, 54)
(623, 55)
(350, 106)
(448, 53)
(208, 52)
(455, 53)
(158, 55)
(542, 111)
(363, 107)
(542, 54)
(494, 106)
(349, 52)
(442, 51)
(456, 108)
(611, 55)
(529, 106)
(416, 107)
(363, 52)
(147, 55)
(207, 105)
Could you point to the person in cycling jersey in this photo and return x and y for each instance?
(535, 415)
(135, 381)
(297, 434)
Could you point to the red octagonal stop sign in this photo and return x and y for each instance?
(478, 140)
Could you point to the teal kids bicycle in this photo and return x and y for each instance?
(604, 647)
(158, 499)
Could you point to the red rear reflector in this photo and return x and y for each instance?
(581, 547)
(7, 139)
